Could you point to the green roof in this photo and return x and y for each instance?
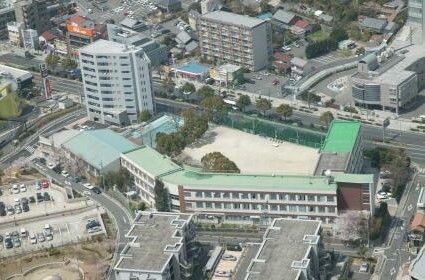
(99, 147)
(341, 136)
(354, 178)
(152, 161)
(370, 58)
(250, 182)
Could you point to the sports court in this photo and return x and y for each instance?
(253, 154)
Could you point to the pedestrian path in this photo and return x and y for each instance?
(31, 148)
(325, 59)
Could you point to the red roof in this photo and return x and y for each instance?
(47, 35)
(76, 19)
(280, 65)
(302, 23)
(418, 223)
(282, 56)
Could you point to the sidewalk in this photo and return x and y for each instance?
(371, 117)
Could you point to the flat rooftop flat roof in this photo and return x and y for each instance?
(106, 47)
(233, 19)
(341, 136)
(254, 154)
(151, 235)
(283, 244)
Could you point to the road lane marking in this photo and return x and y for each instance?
(125, 221)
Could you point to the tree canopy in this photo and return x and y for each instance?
(263, 104)
(145, 115)
(204, 92)
(243, 101)
(162, 198)
(121, 179)
(52, 60)
(217, 162)
(284, 111)
(188, 88)
(170, 144)
(69, 64)
(194, 126)
(327, 117)
(168, 84)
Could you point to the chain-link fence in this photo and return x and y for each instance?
(266, 128)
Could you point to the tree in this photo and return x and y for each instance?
(52, 60)
(213, 104)
(121, 179)
(361, 251)
(351, 226)
(284, 110)
(144, 116)
(326, 117)
(194, 126)
(162, 198)
(217, 162)
(188, 88)
(339, 34)
(360, 51)
(170, 144)
(195, 6)
(1, 175)
(204, 92)
(168, 85)
(68, 64)
(243, 101)
(263, 104)
(169, 42)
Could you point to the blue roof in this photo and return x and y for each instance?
(265, 16)
(99, 147)
(194, 68)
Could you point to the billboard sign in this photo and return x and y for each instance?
(80, 30)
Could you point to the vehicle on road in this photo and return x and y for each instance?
(364, 267)
(65, 173)
(88, 186)
(96, 190)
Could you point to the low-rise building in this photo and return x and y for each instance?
(7, 14)
(228, 74)
(373, 24)
(290, 248)
(208, 6)
(100, 149)
(161, 246)
(14, 30)
(17, 77)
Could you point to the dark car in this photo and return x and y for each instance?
(46, 196)
(25, 207)
(8, 243)
(1, 238)
(76, 179)
(96, 190)
(31, 199)
(406, 237)
(3, 212)
(249, 81)
(234, 248)
(24, 200)
(39, 197)
(57, 169)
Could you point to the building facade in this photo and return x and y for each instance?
(7, 14)
(161, 247)
(117, 82)
(249, 198)
(416, 17)
(14, 29)
(230, 38)
(33, 14)
(81, 32)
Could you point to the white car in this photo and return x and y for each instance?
(51, 165)
(33, 238)
(23, 188)
(286, 48)
(223, 274)
(65, 173)
(15, 189)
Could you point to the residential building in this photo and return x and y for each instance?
(208, 6)
(161, 246)
(192, 16)
(290, 247)
(14, 30)
(395, 84)
(117, 82)
(7, 14)
(246, 198)
(342, 150)
(33, 14)
(81, 32)
(286, 19)
(168, 6)
(373, 24)
(156, 52)
(235, 39)
(416, 18)
(54, 42)
(99, 149)
(228, 74)
(30, 38)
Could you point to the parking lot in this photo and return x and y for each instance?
(70, 228)
(227, 265)
(56, 200)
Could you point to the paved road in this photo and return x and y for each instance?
(397, 253)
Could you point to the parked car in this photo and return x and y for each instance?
(15, 189)
(45, 183)
(10, 210)
(249, 81)
(18, 209)
(40, 237)
(65, 173)
(25, 207)
(96, 190)
(223, 274)
(286, 48)
(39, 197)
(364, 267)
(31, 199)
(234, 248)
(228, 257)
(23, 188)
(8, 243)
(24, 232)
(33, 238)
(46, 196)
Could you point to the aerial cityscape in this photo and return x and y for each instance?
(212, 139)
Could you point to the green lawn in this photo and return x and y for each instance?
(319, 35)
(10, 106)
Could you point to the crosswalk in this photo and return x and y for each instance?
(328, 58)
(31, 148)
(421, 170)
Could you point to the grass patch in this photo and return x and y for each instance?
(11, 106)
(319, 35)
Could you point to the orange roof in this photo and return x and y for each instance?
(280, 65)
(302, 23)
(47, 35)
(418, 223)
(282, 56)
(76, 20)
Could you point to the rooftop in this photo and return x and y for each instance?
(417, 268)
(418, 223)
(152, 161)
(99, 147)
(284, 16)
(341, 136)
(107, 47)
(150, 234)
(233, 19)
(194, 68)
(15, 72)
(284, 243)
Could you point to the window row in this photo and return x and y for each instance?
(261, 207)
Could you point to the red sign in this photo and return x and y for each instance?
(80, 30)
